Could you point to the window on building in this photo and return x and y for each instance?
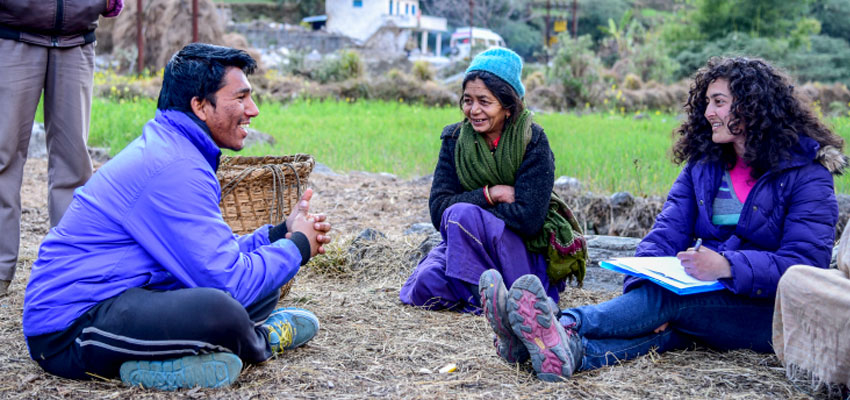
(413, 9)
(391, 7)
(358, 3)
(407, 8)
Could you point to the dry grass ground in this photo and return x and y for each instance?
(370, 346)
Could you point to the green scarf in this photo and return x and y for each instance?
(560, 240)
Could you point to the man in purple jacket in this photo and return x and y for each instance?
(142, 278)
(46, 46)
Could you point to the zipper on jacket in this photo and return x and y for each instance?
(60, 14)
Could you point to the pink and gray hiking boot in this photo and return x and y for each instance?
(494, 297)
(555, 352)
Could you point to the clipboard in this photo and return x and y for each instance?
(665, 271)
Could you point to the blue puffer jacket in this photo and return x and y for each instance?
(788, 218)
(150, 218)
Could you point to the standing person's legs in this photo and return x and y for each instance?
(67, 112)
(23, 67)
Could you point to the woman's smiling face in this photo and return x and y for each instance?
(718, 112)
(483, 109)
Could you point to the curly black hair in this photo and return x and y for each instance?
(764, 108)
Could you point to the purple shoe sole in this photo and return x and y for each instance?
(493, 301)
(534, 323)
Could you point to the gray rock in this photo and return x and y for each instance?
(423, 180)
(99, 154)
(421, 227)
(324, 169)
(427, 245)
(567, 183)
(622, 200)
(37, 147)
(256, 137)
(369, 234)
(843, 202)
(366, 248)
(601, 247)
(602, 280)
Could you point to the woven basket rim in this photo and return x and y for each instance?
(254, 160)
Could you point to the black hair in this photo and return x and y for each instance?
(504, 92)
(764, 108)
(198, 70)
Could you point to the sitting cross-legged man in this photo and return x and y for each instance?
(142, 278)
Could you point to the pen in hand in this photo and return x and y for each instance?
(698, 244)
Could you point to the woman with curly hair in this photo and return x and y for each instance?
(756, 188)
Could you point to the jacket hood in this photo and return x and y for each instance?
(832, 158)
(808, 149)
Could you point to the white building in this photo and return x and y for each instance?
(387, 25)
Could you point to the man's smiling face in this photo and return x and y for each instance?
(232, 111)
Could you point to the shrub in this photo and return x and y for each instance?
(651, 61)
(826, 60)
(422, 70)
(632, 82)
(576, 68)
(346, 65)
(534, 80)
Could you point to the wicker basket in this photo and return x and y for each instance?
(261, 190)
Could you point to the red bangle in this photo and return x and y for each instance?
(487, 195)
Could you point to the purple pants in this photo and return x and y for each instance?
(474, 240)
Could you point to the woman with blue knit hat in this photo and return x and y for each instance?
(492, 198)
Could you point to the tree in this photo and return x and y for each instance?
(511, 19)
(757, 18)
(484, 12)
(834, 16)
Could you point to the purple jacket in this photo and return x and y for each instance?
(788, 218)
(150, 218)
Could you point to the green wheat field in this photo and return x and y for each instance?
(607, 152)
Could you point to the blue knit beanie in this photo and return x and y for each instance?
(503, 63)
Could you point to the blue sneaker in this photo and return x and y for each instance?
(205, 370)
(494, 297)
(290, 327)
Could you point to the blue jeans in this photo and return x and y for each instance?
(622, 328)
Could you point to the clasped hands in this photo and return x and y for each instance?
(313, 226)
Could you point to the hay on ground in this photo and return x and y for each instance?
(370, 345)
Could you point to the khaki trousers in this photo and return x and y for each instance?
(65, 76)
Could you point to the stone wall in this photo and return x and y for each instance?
(272, 35)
